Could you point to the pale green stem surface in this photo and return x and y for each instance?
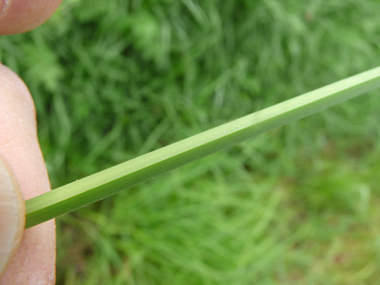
(120, 177)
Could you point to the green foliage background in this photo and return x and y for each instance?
(299, 205)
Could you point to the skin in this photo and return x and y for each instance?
(34, 261)
(20, 16)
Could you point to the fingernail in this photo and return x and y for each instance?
(12, 215)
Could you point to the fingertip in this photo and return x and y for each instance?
(18, 16)
(16, 100)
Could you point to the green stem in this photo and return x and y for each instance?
(112, 180)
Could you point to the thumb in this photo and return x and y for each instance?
(12, 215)
(34, 262)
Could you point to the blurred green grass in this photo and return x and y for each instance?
(299, 205)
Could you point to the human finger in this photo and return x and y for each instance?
(34, 262)
(18, 16)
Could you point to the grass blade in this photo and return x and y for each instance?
(112, 180)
